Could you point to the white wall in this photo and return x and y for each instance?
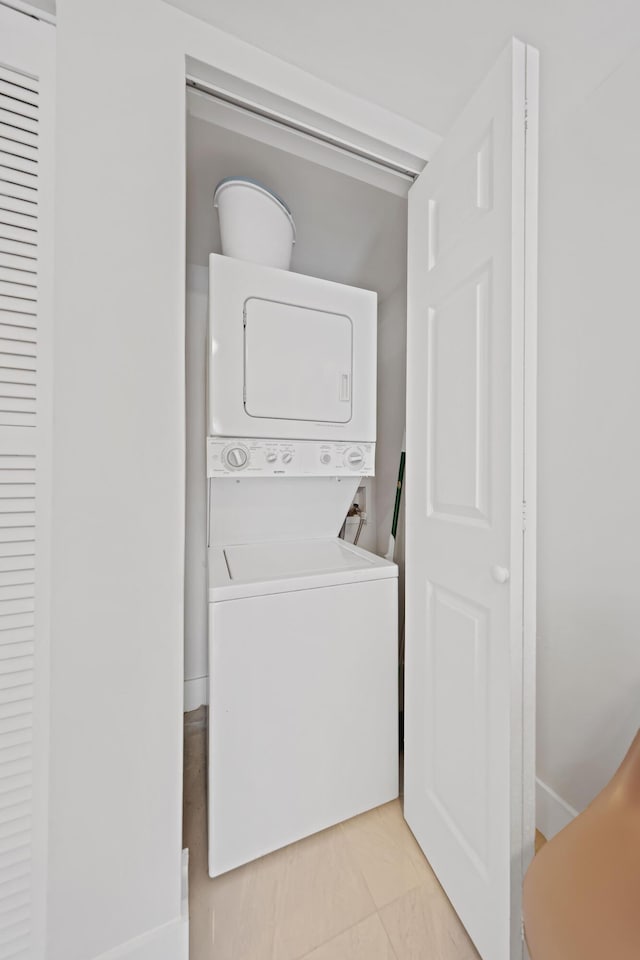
(589, 459)
(119, 456)
(117, 626)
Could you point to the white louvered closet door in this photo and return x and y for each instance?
(26, 264)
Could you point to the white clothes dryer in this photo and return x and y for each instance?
(289, 356)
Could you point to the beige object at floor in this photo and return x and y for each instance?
(582, 891)
(361, 890)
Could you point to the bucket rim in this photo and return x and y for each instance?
(249, 181)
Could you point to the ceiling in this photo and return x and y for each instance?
(423, 58)
(347, 230)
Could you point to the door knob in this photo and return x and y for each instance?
(499, 574)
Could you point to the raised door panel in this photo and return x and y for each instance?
(465, 194)
(458, 749)
(458, 383)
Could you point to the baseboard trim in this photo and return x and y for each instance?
(168, 942)
(196, 693)
(552, 812)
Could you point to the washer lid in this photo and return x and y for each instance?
(268, 561)
(255, 569)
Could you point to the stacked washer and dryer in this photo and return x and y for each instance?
(302, 625)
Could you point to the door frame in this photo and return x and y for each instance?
(270, 85)
(530, 448)
(260, 83)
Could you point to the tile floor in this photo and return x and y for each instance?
(361, 890)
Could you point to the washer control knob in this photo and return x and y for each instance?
(287, 456)
(236, 457)
(271, 457)
(355, 457)
(325, 458)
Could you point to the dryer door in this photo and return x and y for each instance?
(297, 362)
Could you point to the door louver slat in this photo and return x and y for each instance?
(16, 121)
(28, 99)
(27, 85)
(9, 375)
(22, 262)
(17, 100)
(12, 161)
(11, 202)
(23, 151)
(16, 179)
(18, 239)
(18, 333)
(11, 218)
(17, 137)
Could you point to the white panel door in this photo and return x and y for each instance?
(469, 779)
(26, 179)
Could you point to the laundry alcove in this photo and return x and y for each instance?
(460, 239)
(350, 231)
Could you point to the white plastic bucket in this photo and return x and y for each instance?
(255, 224)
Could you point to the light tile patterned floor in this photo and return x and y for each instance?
(361, 890)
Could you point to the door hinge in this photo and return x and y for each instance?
(522, 935)
(524, 514)
(526, 114)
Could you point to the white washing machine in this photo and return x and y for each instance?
(303, 692)
(303, 675)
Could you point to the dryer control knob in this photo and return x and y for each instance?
(325, 458)
(236, 457)
(287, 457)
(355, 457)
(271, 457)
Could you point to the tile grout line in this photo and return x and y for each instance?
(363, 878)
(334, 936)
(417, 886)
(388, 936)
(378, 909)
(337, 828)
(374, 912)
(357, 867)
(386, 930)
(325, 943)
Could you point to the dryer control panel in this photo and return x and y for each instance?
(242, 456)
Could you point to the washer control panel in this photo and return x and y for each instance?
(242, 456)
